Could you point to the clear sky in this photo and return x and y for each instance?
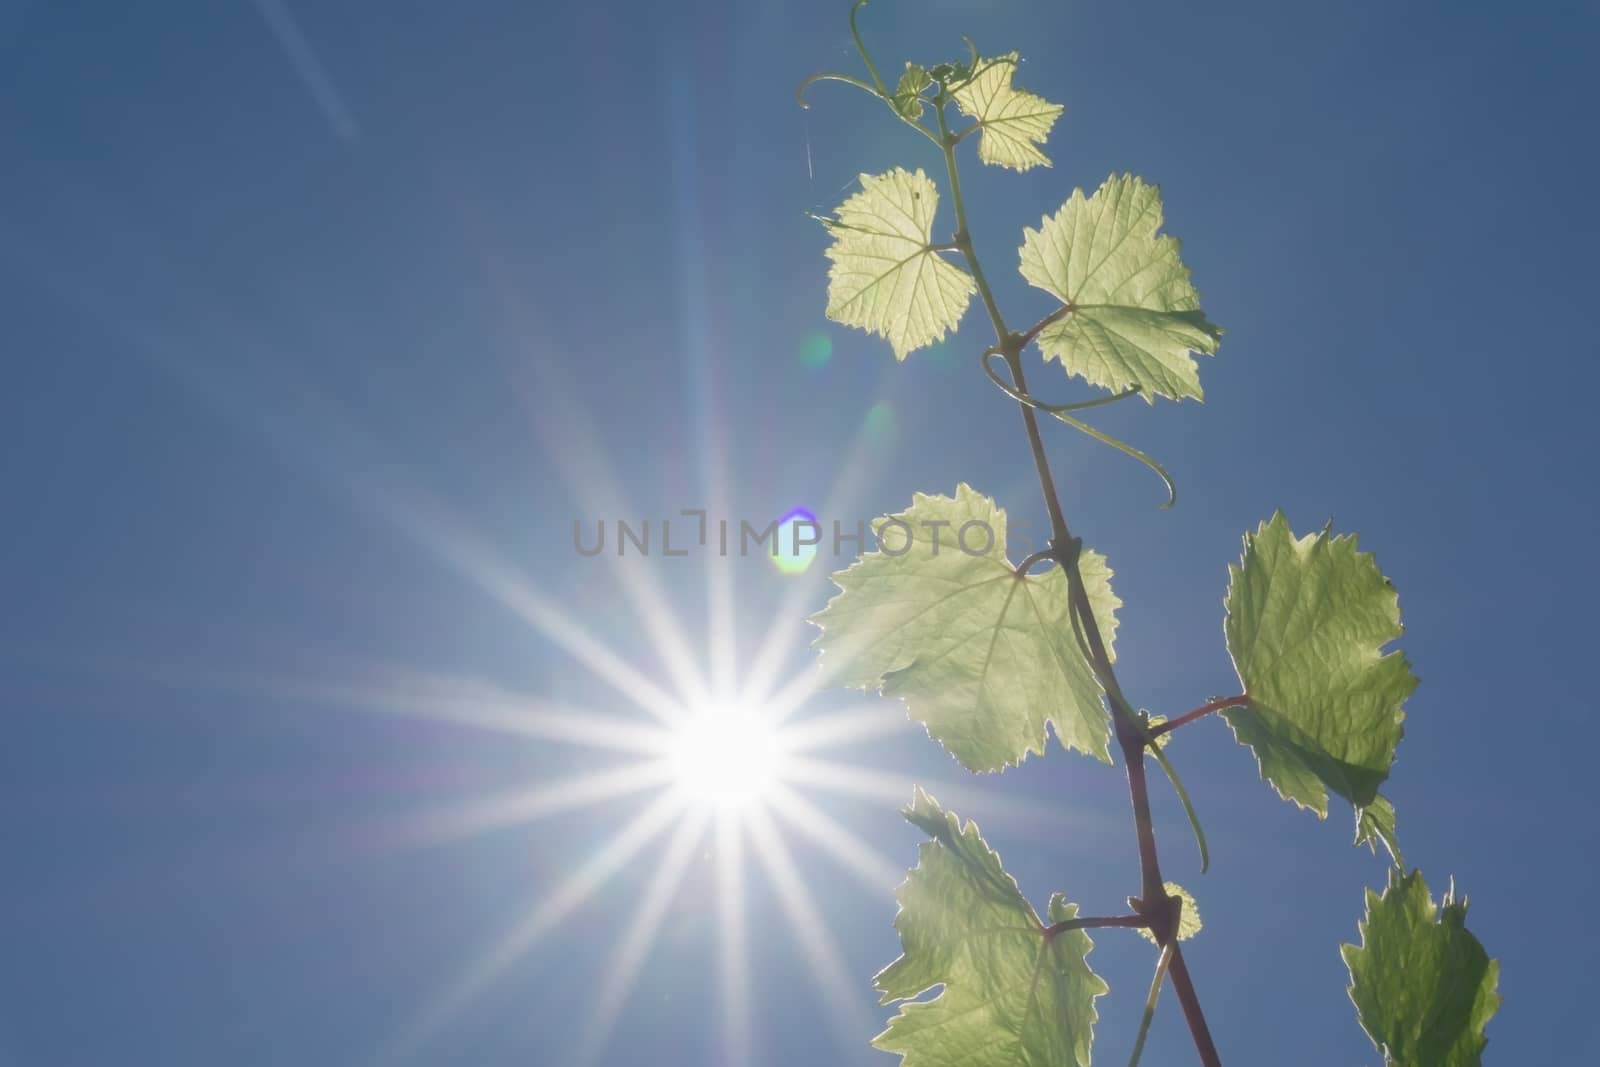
(321, 323)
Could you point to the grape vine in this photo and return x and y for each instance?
(993, 656)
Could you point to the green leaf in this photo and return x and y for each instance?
(1188, 917)
(1375, 823)
(1014, 994)
(1307, 620)
(908, 94)
(885, 278)
(1135, 318)
(1151, 722)
(1013, 122)
(1423, 986)
(983, 657)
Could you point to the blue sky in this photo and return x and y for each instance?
(322, 323)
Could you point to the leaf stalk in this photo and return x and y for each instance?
(1203, 710)
(1097, 922)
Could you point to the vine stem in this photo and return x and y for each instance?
(1203, 710)
(1130, 735)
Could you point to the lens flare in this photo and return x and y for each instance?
(816, 350)
(798, 536)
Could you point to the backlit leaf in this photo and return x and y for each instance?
(1012, 122)
(1188, 916)
(885, 278)
(908, 93)
(982, 657)
(1014, 994)
(1151, 722)
(1135, 318)
(1307, 621)
(1423, 986)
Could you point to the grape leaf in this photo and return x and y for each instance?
(908, 93)
(1012, 122)
(1188, 917)
(1423, 986)
(1151, 722)
(1374, 824)
(982, 657)
(1014, 995)
(1134, 317)
(885, 278)
(1307, 619)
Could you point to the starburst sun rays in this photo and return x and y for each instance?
(718, 765)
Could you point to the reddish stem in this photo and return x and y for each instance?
(1130, 738)
(1203, 710)
(1026, 336)
(1183, 985)
(1094, 922)
(1063, 546)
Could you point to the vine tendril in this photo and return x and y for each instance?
(829, 76)
(1060, 411)
(861, 47)
(1029, 562)
(1150, 1005)
(1188, 805)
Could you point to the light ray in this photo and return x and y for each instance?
(386, 494)
(437, 698)
(849, 726)
(309, 69)
(823, 957)
(700, 383)
(722, 632)
(514, 807)
(477, 704)
(789, 698)
(733, 951)
(558, 416)
(852, 780)
(622, 972)
(629, 841)
(583, 463)
(500, 580)
(855, 855)
(326, 449)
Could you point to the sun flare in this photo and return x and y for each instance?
(726, 757)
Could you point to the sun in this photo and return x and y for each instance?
(726, 757)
